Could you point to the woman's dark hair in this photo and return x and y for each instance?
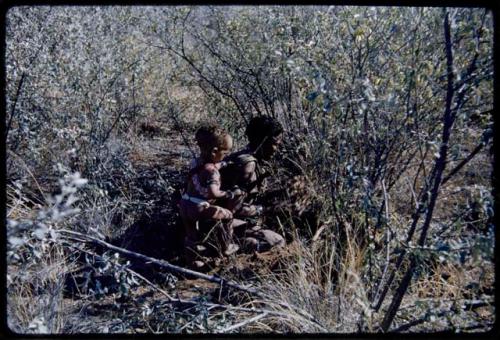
(260, 128)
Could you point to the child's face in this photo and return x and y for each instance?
(221, 152)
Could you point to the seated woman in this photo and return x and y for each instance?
(246, 171)
(200, 214)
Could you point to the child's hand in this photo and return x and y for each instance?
(223, 214)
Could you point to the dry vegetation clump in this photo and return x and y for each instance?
(334, 299)
(383, 186)
(36, 265)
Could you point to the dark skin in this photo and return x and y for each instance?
(248, 176)
(268, 148)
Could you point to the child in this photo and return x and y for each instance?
(198, 203)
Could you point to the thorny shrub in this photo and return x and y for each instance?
(373, 105)
(36, 262)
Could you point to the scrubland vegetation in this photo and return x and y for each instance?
(383, 187)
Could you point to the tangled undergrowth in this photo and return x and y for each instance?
(77, 287)
(383, 187)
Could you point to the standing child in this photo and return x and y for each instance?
(198, 209)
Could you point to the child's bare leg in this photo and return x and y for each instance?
(193, 250)
(227, 235)
(224, 229)
(192, 247)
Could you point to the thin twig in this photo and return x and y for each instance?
(178, 127)
(486, 137)
(469, 305)
(13, 109)
(388, 241)
(413, 194)
(244, 323)
(28, 170)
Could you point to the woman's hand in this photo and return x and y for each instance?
(259, 209)
(238, 192)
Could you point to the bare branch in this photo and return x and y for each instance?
(13, 109)
(185, 271)
(485, 139)
(436, 177)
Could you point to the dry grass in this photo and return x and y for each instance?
(35, 294)
(311, 283)
(323, 280)
(339, 249)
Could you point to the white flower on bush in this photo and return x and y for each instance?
(62, 202)
(36, 232)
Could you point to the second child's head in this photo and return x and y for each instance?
(214, 143)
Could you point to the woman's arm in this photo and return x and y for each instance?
(248, 174)
(250, 210)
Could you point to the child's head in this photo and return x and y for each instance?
(214, 143)
(264, 136)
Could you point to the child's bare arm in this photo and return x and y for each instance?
(214, 191)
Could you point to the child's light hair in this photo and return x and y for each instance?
(210, 136)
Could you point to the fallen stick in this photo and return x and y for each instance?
(165, 264)
(210, 305)
(172, 267)
(179, 300)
